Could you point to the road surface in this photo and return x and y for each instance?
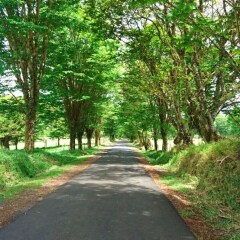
(114, 199)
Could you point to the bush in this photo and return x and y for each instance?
(15, 165)
(2, 178)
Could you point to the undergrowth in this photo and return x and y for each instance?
(158, 157)
(209, 174)
(20, 170)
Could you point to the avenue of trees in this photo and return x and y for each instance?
(182, 68)
(55, 55)
(137, 69)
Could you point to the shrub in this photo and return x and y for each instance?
(158, 157)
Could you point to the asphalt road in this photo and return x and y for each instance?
(114, 199)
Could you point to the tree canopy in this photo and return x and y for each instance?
(137, 69)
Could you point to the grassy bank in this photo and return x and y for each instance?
(19, 170)
(209, 175)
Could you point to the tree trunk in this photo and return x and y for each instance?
(145, 140)
(187, 139)
(79, 137)
(211, 135)
(162, 113)
(89, 132)
(140, 138)
(97, 138)
(208, 130)
(80, 143)
(89, 142)
(155, 139)
(112, 134)
(155, 143)
(164, 139)
(6, 142)
(16, 140)
(147, 144)
(112, 137)
(28, 46)
(29, 128)
(58, 142)
(72, 140)
(183, 137)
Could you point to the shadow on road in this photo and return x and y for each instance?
(114, 199)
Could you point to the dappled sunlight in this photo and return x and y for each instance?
(117, 186)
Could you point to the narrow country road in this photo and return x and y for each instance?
(114, 199)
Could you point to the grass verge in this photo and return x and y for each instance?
(20, 170)
(209, 176)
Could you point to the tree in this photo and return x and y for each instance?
(192, 58)
(26, 27)
(80, 69)
(51, 118)
(11, 121)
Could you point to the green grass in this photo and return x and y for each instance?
(20, 170)
(186, 213)
(209, 175)
(157, 157)
(184, 183)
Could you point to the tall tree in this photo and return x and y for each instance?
(26, 27)
(26, 30)
(79, 70)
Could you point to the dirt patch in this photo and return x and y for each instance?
(197, 224)
(10, 209)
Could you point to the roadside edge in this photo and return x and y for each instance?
(200, 228)
(12, 208)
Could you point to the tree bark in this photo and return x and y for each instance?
(72, 108)
(16, 140)
(89, 142)
(89, 132)
(162, 113)
(79, 137)
(30, 127)
(72, 140)
(80, 143)
(145, 140)
(6, 142)
(97, 137)
(164, 138)
(140, 137)
(29, 133)
(155, 139)
(112, 134)
(207, 129)
(183, 137)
